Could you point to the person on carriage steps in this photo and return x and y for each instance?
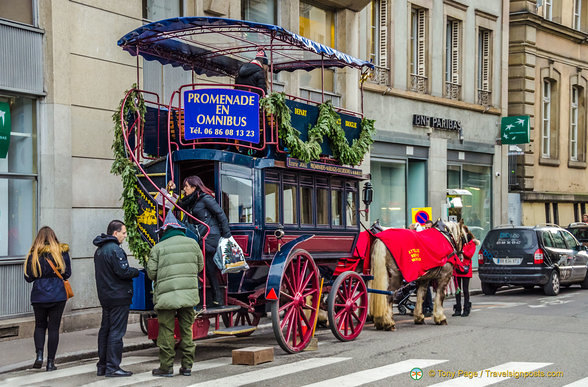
(254, 74)
(114, 284)
(199, 202)
(174, 264)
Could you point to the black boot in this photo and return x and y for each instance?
(51, 365)
(456, 310)
(39, 360)
(466, 309)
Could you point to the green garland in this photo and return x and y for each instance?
(125, 168)
(275, 104)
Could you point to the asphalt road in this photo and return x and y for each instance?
(513, 332)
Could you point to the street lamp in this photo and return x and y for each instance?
(367, 197)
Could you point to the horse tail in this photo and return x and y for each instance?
(378, 303)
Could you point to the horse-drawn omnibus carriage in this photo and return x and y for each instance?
(295, 216)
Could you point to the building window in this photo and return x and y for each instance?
(162, 9)
(418, 50)
(376, 37)
(389, 180)
(546, 125)
(317, 24)
(548, 10)
(453, 59)
(484, 67)
(261, 11)
(476, 210)
(21, 11)
(574, 124)
(578, 14)
(18, 177)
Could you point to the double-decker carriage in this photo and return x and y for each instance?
(294, 211)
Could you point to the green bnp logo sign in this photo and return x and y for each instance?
(515, 130)
(5, 126)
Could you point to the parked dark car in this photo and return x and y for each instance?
(580, 231)
(546, 256)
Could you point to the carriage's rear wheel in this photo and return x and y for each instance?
(347, 306)
(295, 311)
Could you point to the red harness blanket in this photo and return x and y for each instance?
(414, 252)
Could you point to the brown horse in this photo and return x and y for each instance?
(387, 277)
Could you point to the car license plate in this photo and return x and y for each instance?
(507, 261)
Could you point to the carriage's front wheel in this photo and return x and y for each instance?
(347, 306)
(295, 311)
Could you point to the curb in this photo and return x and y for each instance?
(73, 356)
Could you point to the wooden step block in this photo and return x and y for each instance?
(253, 355)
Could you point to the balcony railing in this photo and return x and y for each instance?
(380, 76)
(484, 97)
(452, 90)
(418, 83)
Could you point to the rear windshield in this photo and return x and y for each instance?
(580, 233)
(510, 240)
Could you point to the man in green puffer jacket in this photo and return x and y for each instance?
(174, 264)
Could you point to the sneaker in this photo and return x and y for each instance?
(164, 373)
(186, 371)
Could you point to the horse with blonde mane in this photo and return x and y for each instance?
(388, 278)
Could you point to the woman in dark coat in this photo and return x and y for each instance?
(199, 201)
(48, 296)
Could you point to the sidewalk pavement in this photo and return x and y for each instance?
(19, 354)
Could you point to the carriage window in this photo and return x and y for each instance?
(290, 209)
(272, 202)
(351, 208)
(306, 205)
(322, 206)
(336, 208)
(237, 199)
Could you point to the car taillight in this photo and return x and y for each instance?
(480, 259)
(538, 256)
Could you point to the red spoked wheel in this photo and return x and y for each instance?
(295, 311)
(347, 306)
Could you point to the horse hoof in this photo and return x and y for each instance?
(419, 321)
(442, 322)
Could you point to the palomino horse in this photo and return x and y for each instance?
(387, 276)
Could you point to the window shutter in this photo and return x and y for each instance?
(383, 34)
(421, 40)
(455, 52)
(485, 61)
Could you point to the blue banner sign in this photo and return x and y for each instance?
(221, 113)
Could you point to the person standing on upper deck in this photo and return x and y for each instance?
(254, 74)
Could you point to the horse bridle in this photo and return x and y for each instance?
(442, 227)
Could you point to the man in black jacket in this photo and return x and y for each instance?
(254, 74)
(114, 283)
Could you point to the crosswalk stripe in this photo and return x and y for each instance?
(578, 383)
(375, 374)
(147, 376)
(41, 376)
(271, 372)
(485, 379)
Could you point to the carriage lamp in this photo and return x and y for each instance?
(367, 194)
(367, 197)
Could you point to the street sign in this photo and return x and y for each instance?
(5, 126)
(515, 130)
(422, 215)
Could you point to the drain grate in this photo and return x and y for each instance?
(8, 332)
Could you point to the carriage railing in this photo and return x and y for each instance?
(134, 153)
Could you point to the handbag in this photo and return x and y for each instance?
(229, 257)
(462, 269)
(68, 290)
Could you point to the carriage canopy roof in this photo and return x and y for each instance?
(215, 46)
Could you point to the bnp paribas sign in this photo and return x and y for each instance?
(515, 130)
(4, 129)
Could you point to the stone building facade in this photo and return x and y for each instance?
(548, 73)
(71, 76)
